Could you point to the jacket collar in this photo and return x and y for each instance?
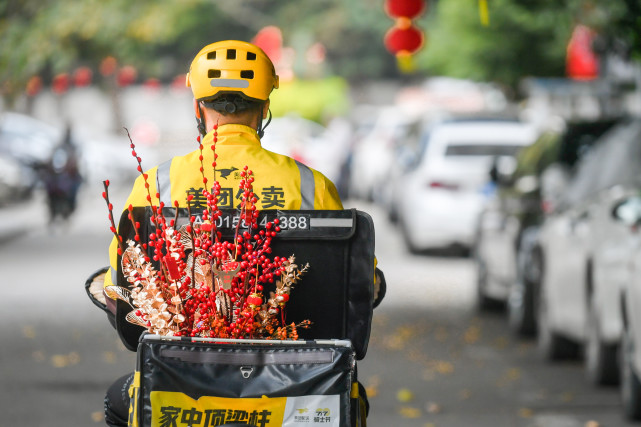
(232, 134)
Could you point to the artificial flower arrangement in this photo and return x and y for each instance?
(188, 281)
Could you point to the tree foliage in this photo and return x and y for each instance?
(520, 40)
(160, 37)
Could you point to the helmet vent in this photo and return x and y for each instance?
(251, 56)
(211, 55)
(213, 74)
(231, 53)
(247, 74)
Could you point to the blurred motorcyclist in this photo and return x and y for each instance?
(231, 82)
(62, 179)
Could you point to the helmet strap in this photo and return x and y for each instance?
(261, 128)
(202, 129)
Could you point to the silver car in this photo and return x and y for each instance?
(585, 257)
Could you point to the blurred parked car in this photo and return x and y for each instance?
(372, 156)
(441, 195)
(628, 212)
(585, 257)
(403, 156)
(26, 146)
(508, 267)
(16, 180)
(27, 139)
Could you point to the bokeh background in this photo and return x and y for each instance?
(368, 89)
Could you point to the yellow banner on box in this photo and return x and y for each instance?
(172, 409)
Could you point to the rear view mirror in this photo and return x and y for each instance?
(628, 211)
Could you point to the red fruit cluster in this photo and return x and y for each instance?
(213, 287)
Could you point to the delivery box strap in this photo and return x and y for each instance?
(236, 358)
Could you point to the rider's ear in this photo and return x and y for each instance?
(196, 109)
(265, 109)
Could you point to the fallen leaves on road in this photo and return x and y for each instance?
(64, 360)
(525, 413)
(433, 408)
(371, 387)
(29, 332)
(400, 337)
(409, 412)
(501, 343)
(509, 376)
(109, 357)
(442, 366)
(404, 395)
(472, 334)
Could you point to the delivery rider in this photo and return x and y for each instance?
(231, 82)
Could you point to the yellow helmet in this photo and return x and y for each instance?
(232, 66)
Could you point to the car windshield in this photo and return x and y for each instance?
(463, 149)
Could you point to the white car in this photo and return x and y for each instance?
(440, 198)
(505, 250)
(27, 139)
(628, 213)
(585, 257)
(373, 155)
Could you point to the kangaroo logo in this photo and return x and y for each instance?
(224, 173)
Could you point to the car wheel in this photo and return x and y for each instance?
(522, 300)
(484, 302)
(520, 309)
(411, 247)
(601, 362)
(551, 345)
(392, 213)
(630, 384)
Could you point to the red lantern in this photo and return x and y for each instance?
(126, 76)
(403, 40)
(404, 8)
(152, 83)
(33, 86)
(60, 83)
(270, 40)
(178, 83)
(581, 61)
(82, 76)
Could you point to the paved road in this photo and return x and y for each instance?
(436, 361)
(433, 360)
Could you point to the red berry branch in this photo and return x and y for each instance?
(189, 281)
(110, 208)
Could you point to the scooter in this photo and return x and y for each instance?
(203, 381)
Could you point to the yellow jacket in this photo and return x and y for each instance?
(280, 182)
